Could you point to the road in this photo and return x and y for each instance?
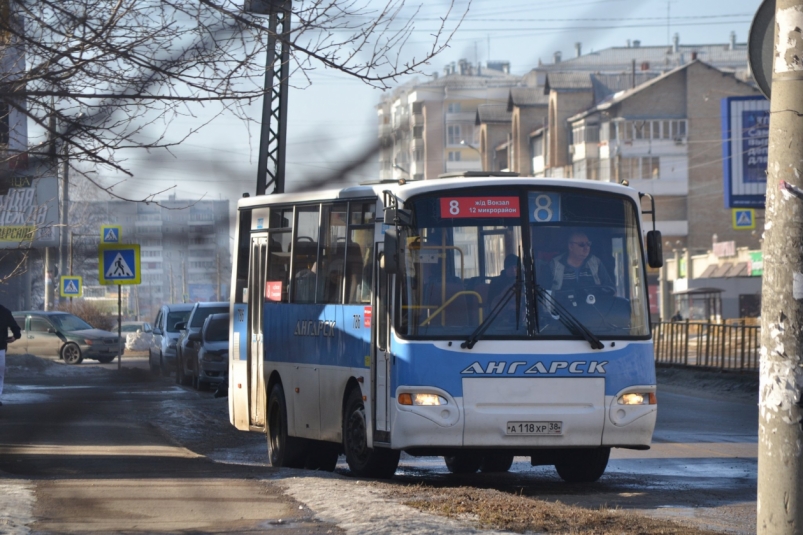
(93, 449)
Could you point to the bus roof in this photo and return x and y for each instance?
(410, 189)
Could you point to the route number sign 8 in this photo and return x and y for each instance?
(544, 207)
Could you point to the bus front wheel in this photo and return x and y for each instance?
(364, 461)
(583, 466)
(283, 450)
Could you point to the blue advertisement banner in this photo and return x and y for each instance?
(755, 144)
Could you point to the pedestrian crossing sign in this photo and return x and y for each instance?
(71, 286)
(110, 234)
(119, 264)
(743, 218)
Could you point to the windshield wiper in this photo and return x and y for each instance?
(500, 305)
(567, 318)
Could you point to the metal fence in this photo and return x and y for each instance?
(711, 345)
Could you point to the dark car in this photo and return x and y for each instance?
(63, 335)
(212, 366)
(186, 349)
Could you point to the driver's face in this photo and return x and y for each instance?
(579, 247)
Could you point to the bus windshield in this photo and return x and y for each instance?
(523, 264)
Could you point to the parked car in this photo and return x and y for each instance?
(63, 335)
(212, 365)
(162, 353)
(187, 350)
(134, 326)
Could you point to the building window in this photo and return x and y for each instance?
(453, 107)
(454, 155)
(418, 155)
(453, 136)
(646, 167)
(418, 132)
(648, 129)
(418, 107)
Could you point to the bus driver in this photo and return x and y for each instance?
(578, 268)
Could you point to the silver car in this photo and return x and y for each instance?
(162, 353)
(63, 335)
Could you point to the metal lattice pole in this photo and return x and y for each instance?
(273, 140)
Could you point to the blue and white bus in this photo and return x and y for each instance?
(471, 318)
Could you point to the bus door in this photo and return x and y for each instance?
(256, 354)
(381, 337)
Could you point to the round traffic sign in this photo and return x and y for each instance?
(761, 46)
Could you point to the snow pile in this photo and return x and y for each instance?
(138, 341)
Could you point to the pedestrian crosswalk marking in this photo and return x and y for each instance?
(119, 268)
(111, 235)
(70, 287)
(743, 219)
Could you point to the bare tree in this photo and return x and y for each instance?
(106, 75)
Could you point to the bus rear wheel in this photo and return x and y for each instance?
(583, 466)
(463, 463)
(283, 450)
(364, 461)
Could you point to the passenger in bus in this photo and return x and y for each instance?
(305, 284)
(577, 267)
(332, 283)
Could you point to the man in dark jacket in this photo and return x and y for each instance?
(6, 322)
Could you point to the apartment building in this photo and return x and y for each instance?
(184, 248)
(665, 138)
(428, 128)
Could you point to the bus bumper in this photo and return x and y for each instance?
(483, 417)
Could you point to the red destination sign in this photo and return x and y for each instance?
(457, 207)
(273, 290)
(366, 314)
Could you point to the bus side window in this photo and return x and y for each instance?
(359, 265)
(279, 249)
(332, 253)
(305, 268)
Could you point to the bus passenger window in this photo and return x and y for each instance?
(305, 255)
(359, 265)
(332, 253)
(279, 260)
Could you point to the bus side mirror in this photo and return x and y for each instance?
(655, 253)
(390, 257)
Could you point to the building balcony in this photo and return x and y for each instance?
(418, 119)
(581, 151)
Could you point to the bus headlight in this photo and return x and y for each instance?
(635, 398)
(420, 399)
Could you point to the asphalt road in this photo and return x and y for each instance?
(90, 449)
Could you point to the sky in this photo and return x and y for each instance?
(334, 117)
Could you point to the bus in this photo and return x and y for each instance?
(474, 318)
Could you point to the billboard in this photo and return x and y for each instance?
(745, 141)
(29, 212)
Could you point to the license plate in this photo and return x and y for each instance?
(534, 428)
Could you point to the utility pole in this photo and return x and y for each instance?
(780, 435)
(65, 211)
(273, 139)
(172, 286)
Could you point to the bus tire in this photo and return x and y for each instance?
(322, 456)
(283, 450)
(496, 462)
(583, 466)
(463, 463)
(363, 461)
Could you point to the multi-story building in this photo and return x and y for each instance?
(428, 128)
(184, 248)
